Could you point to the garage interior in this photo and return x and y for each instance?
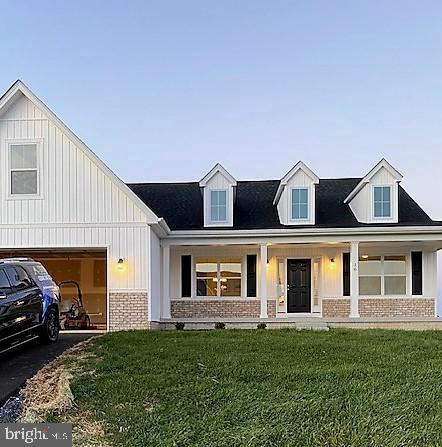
(87, 268)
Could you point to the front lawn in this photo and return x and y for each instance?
(266, 388)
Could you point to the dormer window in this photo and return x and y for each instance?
(299, 203)
(218, 187)
(218, 206)
(375, 198)
(382, 201)
(296, 195)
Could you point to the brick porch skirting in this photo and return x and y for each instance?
(380, 307)
(396, 307)
(213, 308)
(128, 310)
(336, 307)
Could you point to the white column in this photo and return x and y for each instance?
(354, 279)
(166, 282)
(263, 288)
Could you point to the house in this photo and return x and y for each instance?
(347, 249)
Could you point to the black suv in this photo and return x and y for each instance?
(29, 303)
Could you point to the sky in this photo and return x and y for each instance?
(163, 90)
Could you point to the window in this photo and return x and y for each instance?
(218, 205)
(18, 277)
(382, 275)
(382, 201)
(5, 287)
(23, 169)
(299, 203)
(218, 277)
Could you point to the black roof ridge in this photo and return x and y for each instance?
(161, 183)
(167, 182)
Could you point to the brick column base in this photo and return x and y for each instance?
(128, 310)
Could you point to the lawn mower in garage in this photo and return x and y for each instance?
(73, 315)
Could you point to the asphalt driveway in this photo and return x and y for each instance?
(18, 366)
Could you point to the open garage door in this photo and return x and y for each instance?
(85, 268)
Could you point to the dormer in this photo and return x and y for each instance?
(218, 186)
(295, 196)
(376, 197)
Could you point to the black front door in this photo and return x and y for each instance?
(298, 285)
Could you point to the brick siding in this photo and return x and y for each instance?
(220, 308)
(336, 307)
(380, 307)
(128, 310)
(396, 307)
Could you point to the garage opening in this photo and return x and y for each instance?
(82, 278)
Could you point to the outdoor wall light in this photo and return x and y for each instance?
(121, 265)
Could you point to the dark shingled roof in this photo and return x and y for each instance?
(181, 205)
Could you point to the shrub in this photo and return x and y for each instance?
(261, 326)
(179, 326)
(220, 325)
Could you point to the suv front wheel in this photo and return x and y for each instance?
(50, 328)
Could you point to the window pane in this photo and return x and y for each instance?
(303, 196)
(206, 267)
(222, 213)
(23, 156)
(222, 198)
(386, 194)
(230, 287)
(24, 182)
(378, 209)
(370, 265)
(4, 283)
(395, 285)
(395, 265)
(377, 194)
(230, 268)
(303, 213)
(386, 209)
(369, 285)
(206, 287)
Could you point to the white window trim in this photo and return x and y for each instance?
(382, 218)
(218, 296)
(382, 275)
(209, 211)
(291, 218)
(39, 155)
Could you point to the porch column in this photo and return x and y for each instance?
(165, 308)
(263, 288)
(354, 279)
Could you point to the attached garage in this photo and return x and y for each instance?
(61, 205)
(69, 268)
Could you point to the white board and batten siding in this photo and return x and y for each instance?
(79, 204)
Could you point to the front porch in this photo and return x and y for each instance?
(333, 281)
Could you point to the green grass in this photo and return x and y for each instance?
(267, 388)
